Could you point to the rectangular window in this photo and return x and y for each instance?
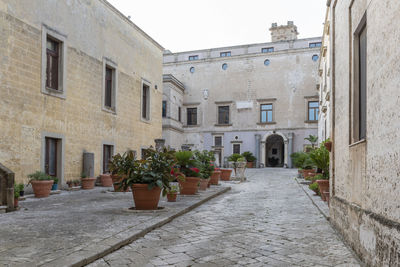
(218, 141)
(52, 63)
(191, 116)
(179, 114)
(196, 57)
(164, 109)
(225, 54)
(223, 115)
(108, 151)
(266, 113)
(313, 109)
(236, 148)
(362, 83)
(145, 102)
(313, 45)
(108, 87)
(267, 50)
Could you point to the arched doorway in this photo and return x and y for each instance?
(275, 151)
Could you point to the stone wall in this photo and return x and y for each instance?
(94, 30)
(365, 206)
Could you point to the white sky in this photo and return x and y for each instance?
(182, 25)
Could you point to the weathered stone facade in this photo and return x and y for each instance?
(94, 35)
(365, 177)
(244, 79)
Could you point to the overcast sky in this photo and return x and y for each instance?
(182, 25)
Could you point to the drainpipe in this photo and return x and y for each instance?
(258, 138)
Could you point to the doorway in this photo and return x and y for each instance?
(52, 157)
(275, 151)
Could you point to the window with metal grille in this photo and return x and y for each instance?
(236, 148)
(191, 116)
(223, 115)
(218, 141)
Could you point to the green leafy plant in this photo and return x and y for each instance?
(39, 176)
(249, 156)
(122, 164)
(308, 164)
(298, 159)
(17, 190)
(173, 189)
(236, 158)
(20, 187)
(187, 164)
(155, 170)
(312, 139)
(320, 157)
(83, 175)
(314, 187)
(205, 161)
(55, 179)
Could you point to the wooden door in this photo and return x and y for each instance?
(51, 158)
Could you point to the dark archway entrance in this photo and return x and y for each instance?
(275, 151)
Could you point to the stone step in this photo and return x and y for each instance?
(3, 209)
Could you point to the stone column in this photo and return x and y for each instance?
(285, 164)
(290, 149)
(258, 144)
(262, 152)
(160, 143)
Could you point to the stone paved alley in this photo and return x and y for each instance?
(268, 221)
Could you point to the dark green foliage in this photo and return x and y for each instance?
(17, 190)
(312, 139)
(236, 158)
(40, 176)
(205, 161)
(320, 157)
(187, 164)
(314, 187)
(122, 164)
(249, 156)
(298, 159)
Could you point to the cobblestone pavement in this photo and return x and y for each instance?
(267, 221)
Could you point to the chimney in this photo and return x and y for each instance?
(283, 32)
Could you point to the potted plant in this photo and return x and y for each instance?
(314, 187)
(41, 184)
(77, 182)
(215, 176)
(21, 188)
(55, 184)
(172, 193)
(237, 161)
(320, 158)
(149, 177)
(249, 158)
(204, 160)
(189, 174)
(119, 166)
(16, 195)
(106, 180)
(312, 139)
(308, 168)
(87, 182)
(328, 144)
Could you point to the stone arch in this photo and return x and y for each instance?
(263, 147)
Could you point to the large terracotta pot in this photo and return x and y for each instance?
(42, 188)
(323, 187)
(249, 164)
(189, 186)
(226, 174)
(203, 184)
(328, 146)
(214, 179)
(16, 202)
(309, 173)
(144, 198)
(115, 181)
(88, 183)
(172, 197)
(106, 180)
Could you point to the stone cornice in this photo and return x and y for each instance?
(171, 78)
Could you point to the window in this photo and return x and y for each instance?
(108, 151)
(267, 50)
(313, 109)
(179, 114)
(191, 116)
(267, 62)
(164, 109)
(218, 141)
(315, 58)
(266, 113)
(52, 63)
(108, 87)
(236, 148)
(145, 102)
(225, 54)
(224, 66)
(223, 115)
(192, 70)
(196, 57)
(313, 45)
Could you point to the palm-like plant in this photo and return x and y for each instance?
(312, 139)
(320, 157)
(187, 163)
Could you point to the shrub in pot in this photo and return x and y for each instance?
(204, 161)
(314, 187)
(41, 184)
(87, 182)
(20, 188)
(149, 177)
(308, 168)
(172, 193)
(189, 174)
(16, 195)
(55, 184)
(320, 158)
(236, 160)
(249, 158)
(119, 166)
(106, 180)
(215, 177)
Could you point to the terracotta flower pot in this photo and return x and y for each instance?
(88, 183)
(328, 146)
(115, 181)
(144, 198)
(214, 179)
(204, 184)
(309, 173)
(323, 187)
(189, 186)
(16, 202)
(249, 164)
(226, 174)
(106, 180)
(42, 188)
(172, 197)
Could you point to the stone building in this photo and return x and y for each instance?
(258, 97)
(75, 77)
(365, 116)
